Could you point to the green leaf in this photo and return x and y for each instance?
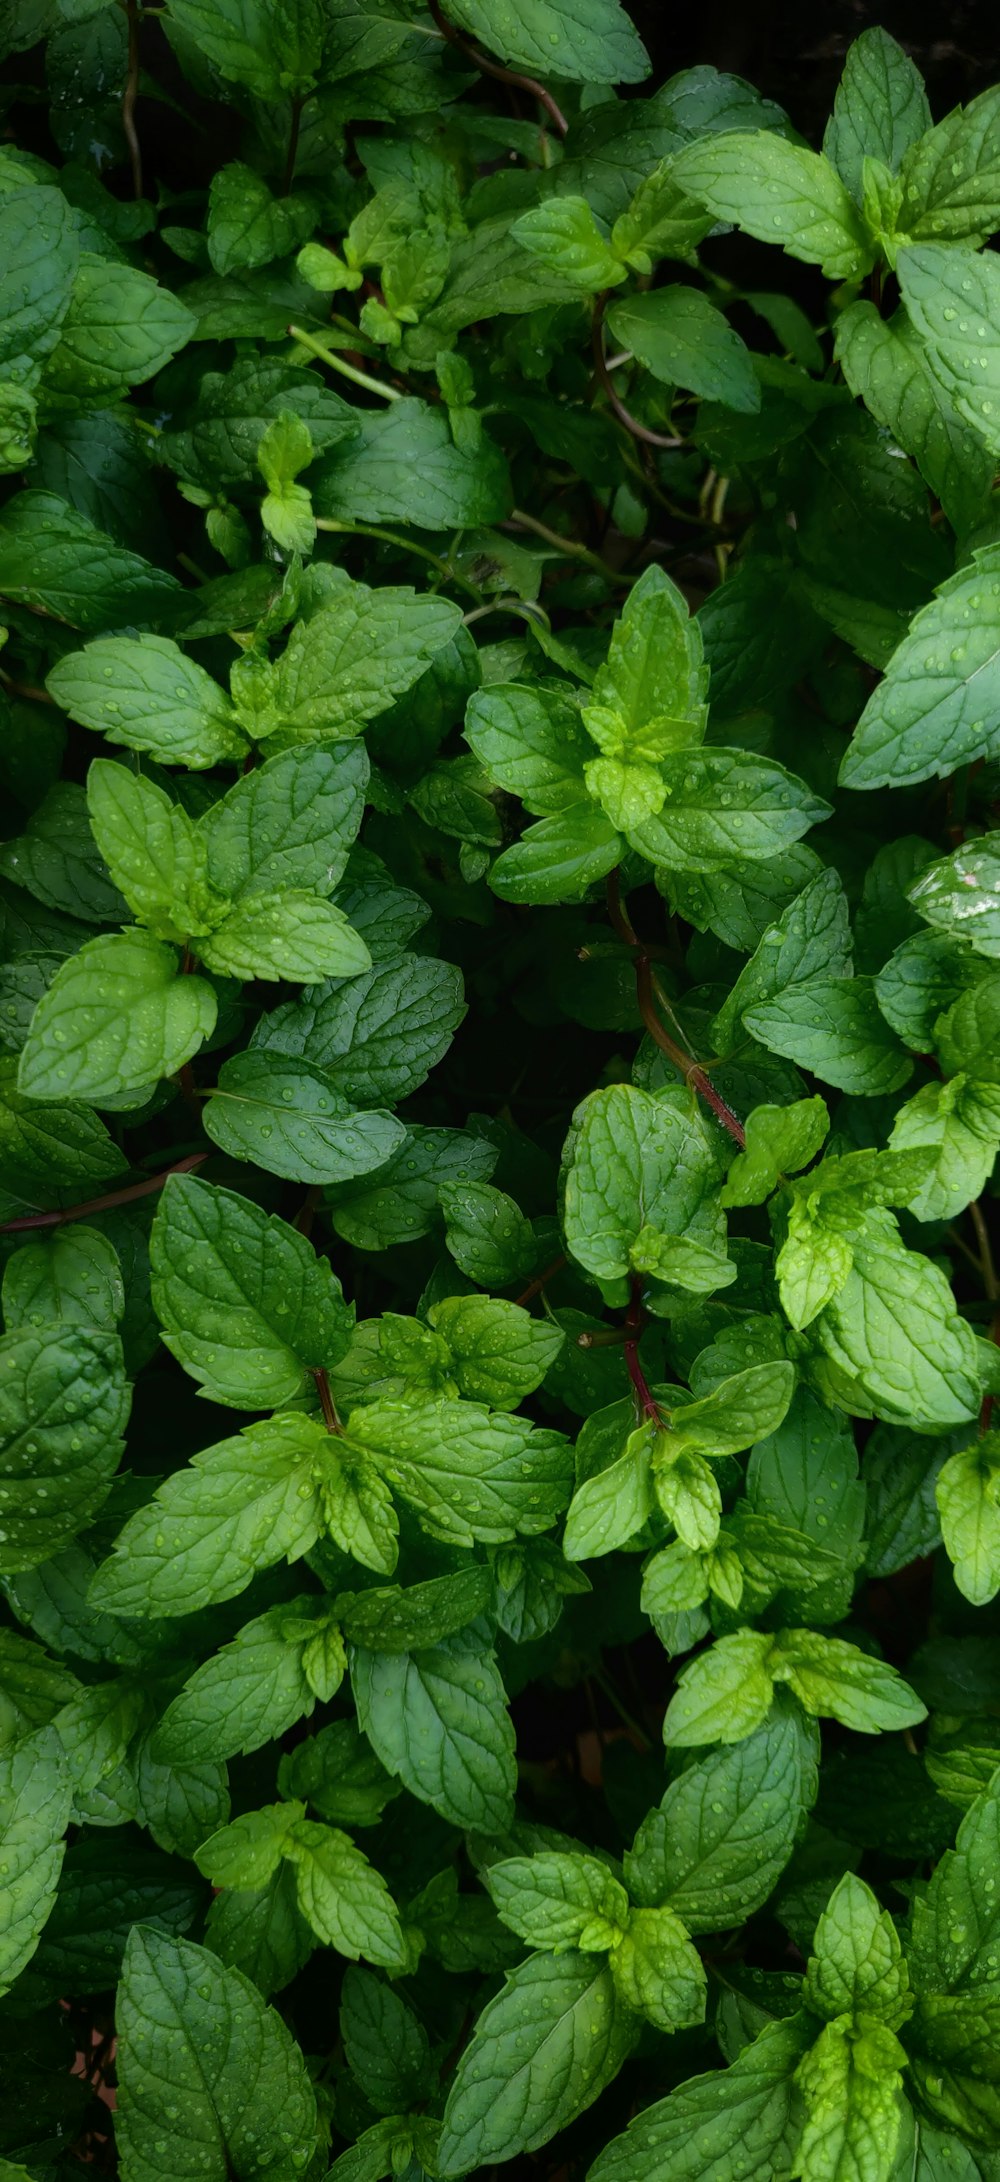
(284, 1116)
(55, 561)
(36, 1798)
(637, 1160)
(291, 822)
(406, 468)
(39, 255)
(810, 939)
(952, 296)
(779, 1140)
(245, 1304)
(935, 708)
(857, 1966)
(219, 439)
(486, 1233)
(203, 2062)
(499, 1353)
(379, 1039)
(781, 193)
(356, 656)
(541, 2053)
(438, 1720)
(386, 2046)
(658, 1972)
(718, 1842)
(57, 860)
(468, 1473)
(660, 222)
(960, 895)
(884, 362)
(115, 1018)
(832, 1678)
(854, 2107)
(608, 1509)
(684, 340)
(247, 226)
(120, 328)
(723, 1695)
(563, 233)
(69, 1278)
(723, 807)
(745, 1407)
(893, 1334)
(648, 699)
(834, 1026)
(250, 1693)
(531, 742)
(592, 41)
(239, 1506)
(423, 1614)
(340, 1895)
(145, 693)
(880, 108)
(955, 1919)
(63, 1407)
(557, 1901)
(951, 176)
(710, 2128)
(968, 1498)
(46, 1144)
(560, 859)
(153, 852)
(959, 1122)
(285, 935)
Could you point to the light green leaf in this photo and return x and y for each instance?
(716, 1845)
(204, 2065)
(557, 1901)
(779, 1140)
(723, 807)
(636, 1160)
(880, 108)
(723, 1695)
(559, 859)
(291, 822)
(884, 362)
(684, 340)
(648, 698)
(952, 295)
(893, 1336)
(285, 1117)
(468, 1473)
(499, 1353)
(563, 233)
(660, 222)
(245, 1304)
(812, 938)
(153, 850)
(857, 1965)
(781, 193)
(658, 1972)
(36, 1796)
(356, 656)
(247, 226)
(422, 1614)
(591, 41)
(854, 2107)
(285, 935)
(405, 466)
(120, 328)
(144, 692)
(249, 1693)
(961, 895)
(608, 1509)
(951, 176)
(239, 1506)
(531, 742)
(834, 1026)
(438, 1719)
(959, 1122)
(730, 2122)
(542, 2051)
(115, 1018)
(968, 1498)
(832, 1678)
(341, 1896)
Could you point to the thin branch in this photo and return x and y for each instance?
(339, 363)
(530, 84)
(326, 1401)
(293, 146)
(405, 545)
(541, 1280)
(634, 1324)
(987, 1267)
(130, 95)
(646, 988)
(103, 1204)
(571, 547)
(624, 416)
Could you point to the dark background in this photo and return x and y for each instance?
(793, 50)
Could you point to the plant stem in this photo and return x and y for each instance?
(129, 97)
(627, 1718)
(326, 1401)
(634, 1324)
(624, 416)
(571, 547)
(987, 1267)
(293, 145)
(529, 84)
(691, 1070)
(541, 1280)
(103, 1204)
(339, 363)
(406, 545)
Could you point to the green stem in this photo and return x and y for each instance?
(339, 363)
(571, 547)
(406, 545)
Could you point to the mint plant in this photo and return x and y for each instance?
(499, 1013)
